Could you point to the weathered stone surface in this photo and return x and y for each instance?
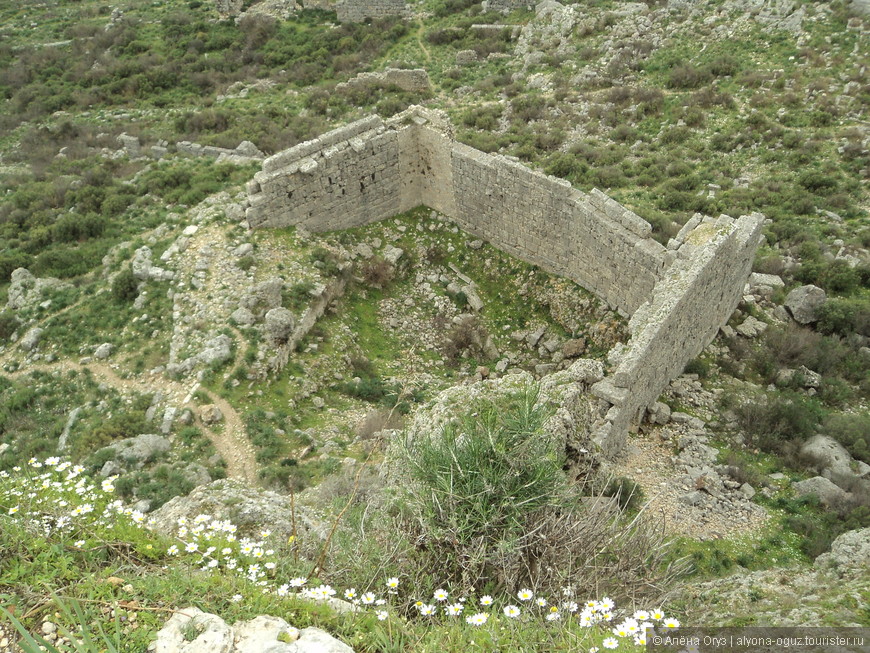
(103, 351)
(314, 640)
(764, 284)
(213, 635)
(849, 552)
(804, 303)
(243, 317)
(751, 327)
(279, 325)
(210, 414)
(263, 296)
(26, 291)
(807, 378)
(261, 634)
(659, 413)
(31, 339)
(828, 455)
(139, 450)
(574, 348)
(825, 490)
(249, 508)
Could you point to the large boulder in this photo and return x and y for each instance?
(828, 455)
(827, 492)
(261, 634)
(804, 303)
(139, 450)
(31, 339)
(279, 325)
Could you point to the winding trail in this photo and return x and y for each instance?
(230, 441)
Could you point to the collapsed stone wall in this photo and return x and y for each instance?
(677, 297)
(356, 11)
(416, 80)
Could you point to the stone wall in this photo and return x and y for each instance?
(346, 178)
(507, 6)
(356, 11)
(689, 305)
(677, 296)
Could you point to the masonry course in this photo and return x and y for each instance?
(356, 11)
(676, 297)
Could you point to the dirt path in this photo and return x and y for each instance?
(230, 440)
(422, 45)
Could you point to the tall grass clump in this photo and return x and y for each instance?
(493, 508)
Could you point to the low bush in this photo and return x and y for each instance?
(125, 287)
(779, 423)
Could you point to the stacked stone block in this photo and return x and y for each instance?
(356, 11)
(347, 178)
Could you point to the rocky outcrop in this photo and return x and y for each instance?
(250, 509)
(139, 450)
(850, 553)
(191, 630)
(26, 291)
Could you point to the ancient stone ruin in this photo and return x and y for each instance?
(356, 11)
(676, 297)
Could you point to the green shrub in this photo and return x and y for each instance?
(125, 287)
(11, 261)
(852, 431)
(8, 324)
(476, 483)
(781, 422)
(844, 316)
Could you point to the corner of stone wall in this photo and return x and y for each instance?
(694, 299)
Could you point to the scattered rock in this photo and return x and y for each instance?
(279, 325)
(751, 327)
(103, 351)
(804, 303)
(31, 339)
(574, 348)
(660, 413)
(210, 414)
